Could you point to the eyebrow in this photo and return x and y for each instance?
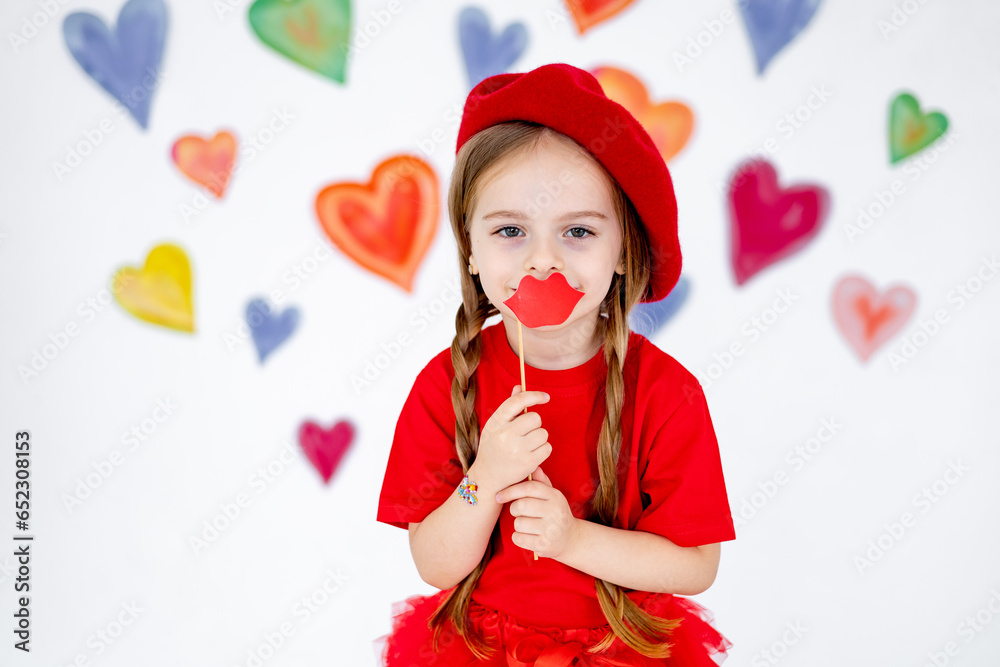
(505, 214)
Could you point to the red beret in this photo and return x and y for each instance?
(571, 101)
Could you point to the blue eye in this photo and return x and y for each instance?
(579, 232)
(514, 231)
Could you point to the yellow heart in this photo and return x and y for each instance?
(159, 292)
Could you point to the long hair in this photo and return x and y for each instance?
(638, 629)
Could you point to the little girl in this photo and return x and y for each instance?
(625, 507)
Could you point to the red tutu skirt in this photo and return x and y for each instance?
(695, 643)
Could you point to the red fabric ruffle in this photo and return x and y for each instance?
(695, 642)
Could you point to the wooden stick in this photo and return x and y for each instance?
(520, 354)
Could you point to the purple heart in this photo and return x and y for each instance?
(268, 331)
(125, 63)
(772, 24)
(486, 54)
(648, 318)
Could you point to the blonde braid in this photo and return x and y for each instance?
(638, 629)
(466, 350)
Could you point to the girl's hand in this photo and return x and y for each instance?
(512, 444)
(543, 521)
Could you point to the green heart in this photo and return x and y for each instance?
(910, 131)
(313, 33)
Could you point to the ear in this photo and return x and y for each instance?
(473, 269)
(620, 269)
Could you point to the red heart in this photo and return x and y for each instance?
(768, 223)
(588, 13)
(387, 224)
(868, 319)
(324, 448)
(208, 163)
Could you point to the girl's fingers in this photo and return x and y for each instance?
(531, 489)
(527, 424)
(540, 476)
(529, 525)
(516, 404)
(536, 438)
(528, 507)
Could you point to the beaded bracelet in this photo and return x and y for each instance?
(467, 491)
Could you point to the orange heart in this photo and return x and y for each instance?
(669, 124)
(387, 224)
(208, 163)
(588, 13)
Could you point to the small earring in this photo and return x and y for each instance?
(470, 270)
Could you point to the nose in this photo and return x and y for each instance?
(543, 257)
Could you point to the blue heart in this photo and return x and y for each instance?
(269, 331)
(648, 318)
(772, 24)
(486, 55)
(126, 63)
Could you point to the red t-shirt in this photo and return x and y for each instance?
(671, 480)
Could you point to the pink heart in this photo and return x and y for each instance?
(867, 319)
(325, 447)
(768, 223)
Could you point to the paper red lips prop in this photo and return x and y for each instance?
(539, 303)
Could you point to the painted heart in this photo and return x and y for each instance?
(648, 318)
(208, 163)
(487, 54)
(269, 331)
(868, 319)
(325, 447)
(313, 33)
(910, 130)
(125, 63)
(387, 224)
(159, 292)
(669, 124)
(588, 13)
(772, 24)
(768, 223)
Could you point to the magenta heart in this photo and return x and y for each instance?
(866, 318)
(325, 447)
(768, 223)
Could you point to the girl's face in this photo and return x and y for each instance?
(544, 211)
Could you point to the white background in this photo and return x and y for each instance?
(794, 561)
